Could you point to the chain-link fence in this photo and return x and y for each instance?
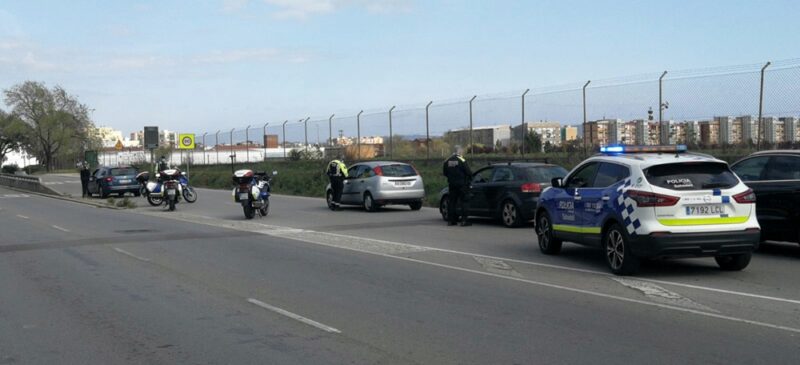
(705, 108)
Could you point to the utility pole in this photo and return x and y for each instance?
(661, 107)
(391, 143)
(427, 132)
(247, 142)
(523, 126)
(284, 138)
(584, 116)
(330, 130)
(264, 139)
(358, 138)
(216, 145)
(761, 107)
(471, 145)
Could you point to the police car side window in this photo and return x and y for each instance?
(583, 177)
(609, 174)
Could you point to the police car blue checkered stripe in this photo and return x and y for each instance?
(626, 209)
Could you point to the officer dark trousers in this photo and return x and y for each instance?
(458, 203)
(85, 182)
(337, 184)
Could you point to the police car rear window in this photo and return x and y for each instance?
(398, 170)
(691, 176)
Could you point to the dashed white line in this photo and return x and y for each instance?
(131, 255)
(294, 316)
(62, 229)
(23, 217)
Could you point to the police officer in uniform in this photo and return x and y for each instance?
(162, 164)
(85, 178)
(458, 175)
(337, 172)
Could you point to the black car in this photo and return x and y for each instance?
(775, 178)
(509, 191)
(114, 180)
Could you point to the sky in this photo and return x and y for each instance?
(206, 65)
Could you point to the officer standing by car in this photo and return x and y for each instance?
(85, 178)
(337, 172)
(458, 175)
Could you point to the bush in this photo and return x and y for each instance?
(34, 169)
(10, 169)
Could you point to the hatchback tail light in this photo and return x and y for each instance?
(646, 199)
(531, 188)
(378, 171)
(747, 197)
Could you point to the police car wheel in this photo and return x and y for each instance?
(544, 234)
(443, 207)
(619, 257)
(510, 214)
(733, 262)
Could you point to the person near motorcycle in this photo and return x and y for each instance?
(162, 164)
(337, 172)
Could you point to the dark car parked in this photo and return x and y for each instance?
(509, 191)
(775, 178)
(114, 180)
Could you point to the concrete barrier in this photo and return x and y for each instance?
(24, 182)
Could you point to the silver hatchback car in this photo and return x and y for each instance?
(377, 183)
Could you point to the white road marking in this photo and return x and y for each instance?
(661, 295)
(497, 266)
(294, 316)
(23, 217)
(62, 229)
(131, 255)
(11, 196)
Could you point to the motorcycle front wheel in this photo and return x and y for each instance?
(265, 209)
(189, 194)
(154, 200)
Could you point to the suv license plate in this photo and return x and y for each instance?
(125, 181)
(704, 210)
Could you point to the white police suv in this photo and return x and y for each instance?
(651, 202)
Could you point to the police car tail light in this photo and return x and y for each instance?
(531, 188)
(747, 197)
(378, 171)
(646, 199)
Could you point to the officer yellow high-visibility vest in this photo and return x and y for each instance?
(338, 165)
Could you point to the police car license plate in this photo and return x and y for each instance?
(715, 209)
(243, 196)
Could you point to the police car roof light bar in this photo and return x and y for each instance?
(678, 148)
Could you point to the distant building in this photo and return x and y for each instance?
(790, 129)
(748, 125)
(569, 133)
(709, 132)
(487, 136)
(602, 132)
(548, 131)
(773, 130)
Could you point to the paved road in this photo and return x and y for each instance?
(202, 285)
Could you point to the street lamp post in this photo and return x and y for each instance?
(761, 107)
(661, 107)
(358, 137)
(284, 138)
(391, 143)
(305, 128)
(264, 139)
(584, 116)
(204, 149)
(523, 129)
(247, 143)
(427, 132)
(471, 145)
(330, 131)
(216, 145)
(233, 152)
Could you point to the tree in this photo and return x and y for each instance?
(533, 142)
(59, 123)
(13, 134)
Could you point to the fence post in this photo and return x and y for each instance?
(584, 116)
(661, 112)
(471, 145)
(247, 143)
(233, 152)
(205, 162)
(284, 138)
(264, 139)
(358, 138)
(761, 107)
(216, 145)
(391, 143)
(523, 131)
(330, 130)
(427, 133)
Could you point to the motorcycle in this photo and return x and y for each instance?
(188, 192)
(167, 188)
(144, 181)
(252, 192)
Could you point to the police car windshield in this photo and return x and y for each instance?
(691, 176)
(398, 170)
(545, 174)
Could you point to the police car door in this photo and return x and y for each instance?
(567, 220)
(597, 199)
(350, 193)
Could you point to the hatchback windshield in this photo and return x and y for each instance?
(123, 172)
(398, 170)
(691, 176)
(545, 174)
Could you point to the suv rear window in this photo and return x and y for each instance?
(545, 174)
(123, 172)
(398, 170)
(691, 176)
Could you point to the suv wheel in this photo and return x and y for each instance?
(619, 257)
(510, 215)
(733, 262)
(544, 234)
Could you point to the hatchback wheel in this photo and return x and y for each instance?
(733, 262)
(329, 200)
(369, 203)
(544, 233)
(510, 214)
(619, 257)
(443, 206)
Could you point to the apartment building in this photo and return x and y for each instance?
(548, 131)
(487, 136)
